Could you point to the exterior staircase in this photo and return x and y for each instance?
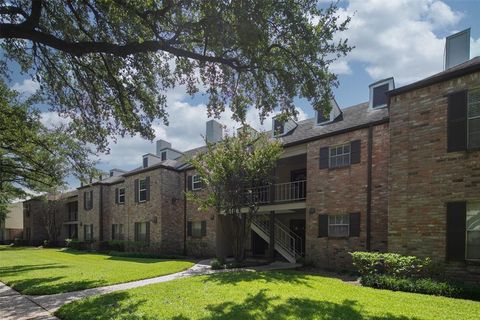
(287, 243)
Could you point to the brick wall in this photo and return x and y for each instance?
(423, 176)
(342, 191)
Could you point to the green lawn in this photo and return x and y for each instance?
(48, 271)
(266, 296)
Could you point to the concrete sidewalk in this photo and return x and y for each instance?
(13, 305)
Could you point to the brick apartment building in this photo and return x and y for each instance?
(398, 173)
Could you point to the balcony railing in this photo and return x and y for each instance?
(279, 192)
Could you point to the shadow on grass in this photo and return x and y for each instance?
(233, 278)
(124, 258)
(111, 306)
(255, 306)
(19, 269)
(52, 285)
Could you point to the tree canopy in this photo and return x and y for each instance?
(108, 64)
(230, 172)
(34, 157)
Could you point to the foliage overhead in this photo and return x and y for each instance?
(32, 156)
(108, 64)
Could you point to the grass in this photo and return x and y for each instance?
(47, 271)
(266, 296)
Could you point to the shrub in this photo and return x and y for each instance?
(422, 285)
(372, 263)
(20, 242)
(46, 243)
(79, 245)
(217, 263)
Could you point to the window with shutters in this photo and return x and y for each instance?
(88, 232)
(142, 190)
(339, 156)
(196, 182)
(141, 231)
(117, 231)
(473, 230)
(473, 115)
(88, 200)
(338, 225)
(121, 195)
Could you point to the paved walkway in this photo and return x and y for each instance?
(14, 306)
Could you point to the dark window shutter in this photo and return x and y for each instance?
(324, 155)
(90, 206)
(456, 227)
(84, 201)
(189, 183)
(355, 147)
(136, 231)
(323, 225)
(355, 224)
(204, 228)
(189, 228)
(135, 188)
(457, 122)
(116, 195)
(147, 182)
(113, 232)
(147, 238)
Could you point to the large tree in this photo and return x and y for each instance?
(34, 157)
(108, 64)
(231, 171)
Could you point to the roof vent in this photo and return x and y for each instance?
(214, 131)
(378, 93)
(457, 48)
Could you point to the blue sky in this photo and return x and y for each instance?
(403, 39)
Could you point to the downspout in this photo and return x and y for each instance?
(100, 225)
(369, 187)
(184, 213)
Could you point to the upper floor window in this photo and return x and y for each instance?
(88, 200)
(196, 182)
(163, 155)
(142, 190)
(473, 115)
(378, 93)
(339, 156)
(121, 195)
(338, 225)
(145, 162)
(278, 127)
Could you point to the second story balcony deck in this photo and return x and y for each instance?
(279, 192)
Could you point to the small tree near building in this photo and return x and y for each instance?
(230, 171)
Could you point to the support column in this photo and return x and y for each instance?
(271, 246)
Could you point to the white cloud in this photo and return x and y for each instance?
(52, 119)
(397, 38)
(27, 86)
(474, 47)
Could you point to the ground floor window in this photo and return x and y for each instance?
(88, 232)
(473, 230)
(142, 231)
(338, 225)
(197, 229)
(72, 231)
(117, 231)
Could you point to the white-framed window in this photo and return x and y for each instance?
(121, 195)
(473, 115)
(339, 156)
(473, 231)
(196, 182)
(142, 190)
(338, 225)
(378, 93)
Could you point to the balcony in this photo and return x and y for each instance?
(279, 192)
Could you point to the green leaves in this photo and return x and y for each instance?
(32, 156)
(109, 64)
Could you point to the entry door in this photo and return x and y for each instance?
(297, 226)
(298, 189)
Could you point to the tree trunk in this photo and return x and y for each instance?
(239, 236)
